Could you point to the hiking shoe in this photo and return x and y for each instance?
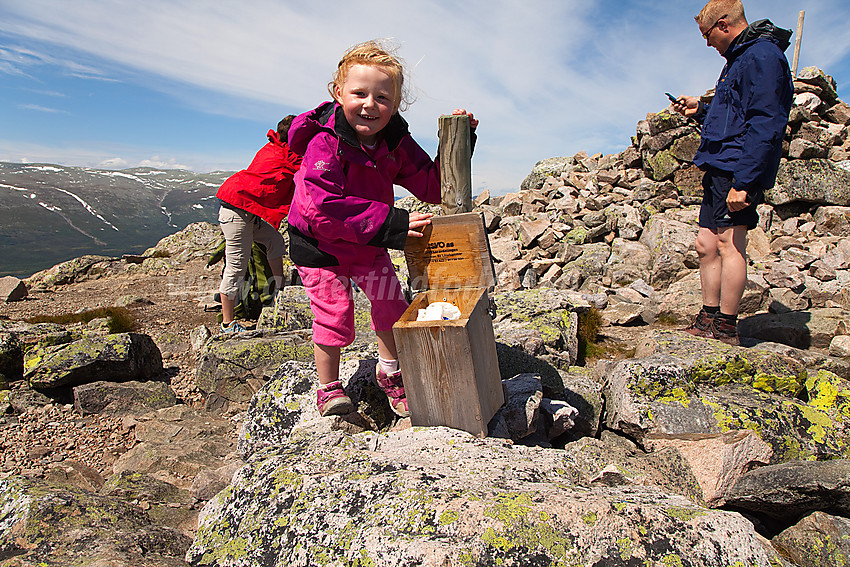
(393, 387)
(233, 327)
(332, 400)
(702, 325)
(725, 332)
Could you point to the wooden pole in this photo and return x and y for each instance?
(800, 19)
(455, 164)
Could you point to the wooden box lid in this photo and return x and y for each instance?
(452, 253)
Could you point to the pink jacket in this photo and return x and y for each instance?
(265, 187)
(344, 196)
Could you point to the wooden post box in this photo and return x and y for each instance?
(450, 368)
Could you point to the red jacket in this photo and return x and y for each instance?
(265, 188)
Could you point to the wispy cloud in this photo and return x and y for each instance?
(546, 78)
(38, 108)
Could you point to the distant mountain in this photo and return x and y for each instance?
(52, 213)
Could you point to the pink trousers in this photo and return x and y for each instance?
(332, 300)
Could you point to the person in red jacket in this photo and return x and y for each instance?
(253, 202)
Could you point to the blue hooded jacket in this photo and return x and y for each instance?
(744, 125)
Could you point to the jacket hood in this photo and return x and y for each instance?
(329, 117)
(761, 29)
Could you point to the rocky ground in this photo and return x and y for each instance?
(166, 308)
(56, 432)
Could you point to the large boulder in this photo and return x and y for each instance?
(44, 524)
(552, 167)
(800, 329)
(683, 387)
(125, 398)
(788, 491)
(175, 444)
(817, 181)
(436, 497)
(819, 539)
(231, 368)
(118, 357)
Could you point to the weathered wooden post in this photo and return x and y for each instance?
(800, 19)
(455, 164)
(450, 367)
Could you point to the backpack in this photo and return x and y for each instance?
(258, 289)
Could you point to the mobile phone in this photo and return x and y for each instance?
(672, 98)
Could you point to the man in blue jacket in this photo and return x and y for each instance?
(740, 148)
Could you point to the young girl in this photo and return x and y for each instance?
(342, 218)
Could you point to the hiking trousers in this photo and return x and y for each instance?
(241, 229)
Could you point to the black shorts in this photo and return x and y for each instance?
(713, 213)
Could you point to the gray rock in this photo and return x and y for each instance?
(789, 490)
(12, 289)
(543, 169)
(126, 398)
(818, 540)
(785, 274)
(177, 443)
(41, 524)
(504, 250)
(435, 497)
(621, 312)
(834, 221)
(518, 418)
(290, 311)
(118, 357)
(629, 261)
(232, 368)
(810, 180)
(11, 359)
(800, 329)
(670, 241)
(840, 346)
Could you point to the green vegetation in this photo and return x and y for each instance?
(121, 319)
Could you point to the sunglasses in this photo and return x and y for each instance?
(708, 31)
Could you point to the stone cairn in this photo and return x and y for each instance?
(624, 224)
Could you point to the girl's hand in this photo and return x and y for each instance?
(473, 123)
(417, 221)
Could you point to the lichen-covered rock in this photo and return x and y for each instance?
(812, 181)
(76, 270)
(125, 398)
(436, 497)
(288, 401)
(553, 167)
(818, 540)
(691, 387)
(46, 525)
(549, 315)
(232, 367)
(290, 311)
(117, 357)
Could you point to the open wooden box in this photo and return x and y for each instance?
(450, 368)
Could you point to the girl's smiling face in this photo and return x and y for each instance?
(367, 101)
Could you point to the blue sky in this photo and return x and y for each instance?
(197, 83)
